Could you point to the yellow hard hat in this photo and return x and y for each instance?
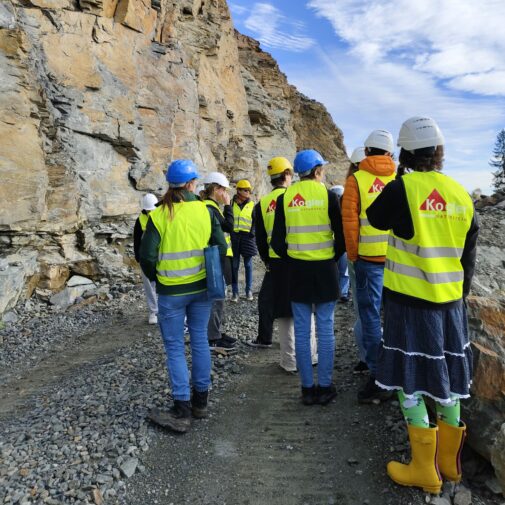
(244, 184)
(277, 166)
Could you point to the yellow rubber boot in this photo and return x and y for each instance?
(450, 443)
(422, 471)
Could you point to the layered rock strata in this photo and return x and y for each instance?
(97, 96)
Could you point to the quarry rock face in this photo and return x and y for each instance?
(98, 95)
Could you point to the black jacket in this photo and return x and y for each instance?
(311, 281)
(390, 211)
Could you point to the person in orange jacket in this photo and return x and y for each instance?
(366, 246)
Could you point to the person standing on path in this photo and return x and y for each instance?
(430, 262)
(149, 202)
(357, 156)
(242, 238)
(171, 253)
(366, 247)
(273, 298)
(308, 231)
(343, 269)
(215, 192)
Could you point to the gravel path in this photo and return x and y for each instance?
(73, 427)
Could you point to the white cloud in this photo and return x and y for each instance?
(274, 30)
(362, 97)
(462, 40)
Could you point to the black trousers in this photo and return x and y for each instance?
(266, 304)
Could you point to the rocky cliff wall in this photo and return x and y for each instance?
(96, 97)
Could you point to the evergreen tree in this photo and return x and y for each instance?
(498, 162)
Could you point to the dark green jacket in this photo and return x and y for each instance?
(149, 254)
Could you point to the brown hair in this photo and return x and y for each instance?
(173, 195)
(421, 160)
(353, 168)
(208, 190)
(281, 178)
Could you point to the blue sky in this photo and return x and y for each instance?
(374, 64)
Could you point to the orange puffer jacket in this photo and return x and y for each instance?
(376, 165)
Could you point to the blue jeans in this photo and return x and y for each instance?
(358, 333)
(302, 314)
(248, 273)
(343, 275)
(171, 313)
(369, 280)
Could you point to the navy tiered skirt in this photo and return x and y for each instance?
(425, 351)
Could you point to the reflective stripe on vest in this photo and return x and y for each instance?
(143, 218)
(372, 242)
(309, 235)
(242, 218)
(428, 266)
(212, 203)
(180, 254)
(268, 204)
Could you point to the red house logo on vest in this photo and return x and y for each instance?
(272, 206)
(434, 202)
(377, 186)
(297, 201)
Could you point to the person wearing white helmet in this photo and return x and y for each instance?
(148, 203)
(366, 247)
(343, 270)
(430, 262)
(215, 194)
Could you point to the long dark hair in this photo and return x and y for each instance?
(353, 168)
(421, 160)
(173, 195)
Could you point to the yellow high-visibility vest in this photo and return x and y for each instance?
(309, 235)
(183, 239)
(143, 218)
(372, 242)
(268, 203)
(242, 217)
(428, 266)
(227, 238)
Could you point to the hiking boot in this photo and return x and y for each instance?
(361, 367)
(199, 404)
(227, 338)
(249, 296)
(258, 344)
(153, 318)
(221, 344)
(326, 393)
(177, 418)
(234, 298)
(309, 396)
(372, 393)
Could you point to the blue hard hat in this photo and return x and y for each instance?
(306, 160)
(181, 171)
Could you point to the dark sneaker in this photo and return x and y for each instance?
(199, 404)
(309, 396)
(258, 344)
(227, 338)
(325, 394)
(220, 344)
(177, 418)
(372, 393)
(361, 367)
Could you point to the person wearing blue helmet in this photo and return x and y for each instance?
(308, 233)
(171, 254)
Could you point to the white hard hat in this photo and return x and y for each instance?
(418, 132)
(149, 202)
(338, 189)
(358, 155)
(217, 178)
(380, 139)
